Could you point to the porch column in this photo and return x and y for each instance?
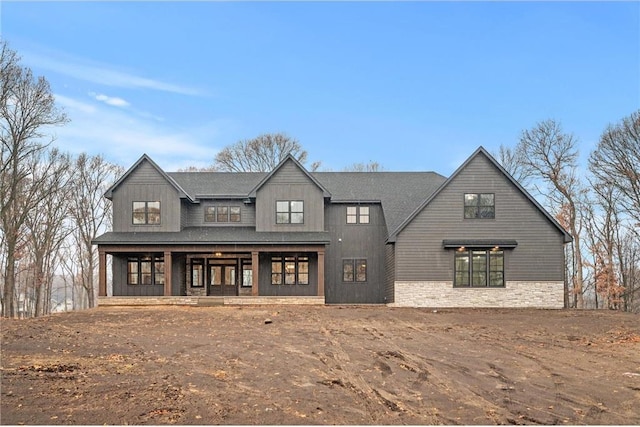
(102, 273)
(167, 273)
(254, 273)
(321, 273)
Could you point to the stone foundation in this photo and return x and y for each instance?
(514, 294)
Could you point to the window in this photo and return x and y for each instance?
(145, 270)
(354, 270)
(197, 273)
(210, 214)
(247, 274)
(479, 205)
(234, 214)
(290, 212)
(222, 214)
(290, 270)
(146, 213)
(357, 214)
(480, 268)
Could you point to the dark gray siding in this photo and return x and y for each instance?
(195, 215)
(289, 183)
(538, 256)
(390, 272)
(120, 287)
(265, 287)
(146, 184)
(355, 241)
(178, 275)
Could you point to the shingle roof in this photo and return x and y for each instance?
(212, 236)
(218, 184)
(400, 193)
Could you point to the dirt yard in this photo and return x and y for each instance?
(321, 365)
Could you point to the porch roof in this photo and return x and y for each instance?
(212, 235)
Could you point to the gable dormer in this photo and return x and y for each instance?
(289, 199)
(146, 199)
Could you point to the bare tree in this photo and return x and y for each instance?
(616, 162)
(45, 225)
(27, 108)
(260, 154)
(90, 213)
(512, 160)
(372, 166)
(550, 155)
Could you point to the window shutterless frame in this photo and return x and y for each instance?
(478, 268)
(479, 206)
(145, 270)
(354, 270)
(357, 214)
(146, 213)
(289, 212)
(290, 270)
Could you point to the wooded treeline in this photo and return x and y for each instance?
(598, 205)
(52, 203)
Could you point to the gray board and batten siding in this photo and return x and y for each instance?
(145, 183)
(538, 256)
(290, 183)
(352, 242)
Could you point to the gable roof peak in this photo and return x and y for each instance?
(290, 157)
(481, 150)
(146, 158)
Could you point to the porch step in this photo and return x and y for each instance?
(210, 301)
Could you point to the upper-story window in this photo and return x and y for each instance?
(479, 205)
(357, 214)
(290, 212)
(146, 213)
(222, 214)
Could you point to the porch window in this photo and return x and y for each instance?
(479, 205)
(145, 270)
(354, 270)
(479, 268)
(197, 273)
(290, 212)
(290, 270)
(146, 213)
(357, 214)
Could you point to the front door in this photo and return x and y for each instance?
(222, 279)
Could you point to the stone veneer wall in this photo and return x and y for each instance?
(196, 292)
(514, 294)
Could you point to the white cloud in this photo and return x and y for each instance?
(123, 136)
(103, 74)
(110, 100)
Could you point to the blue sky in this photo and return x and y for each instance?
(411, 85)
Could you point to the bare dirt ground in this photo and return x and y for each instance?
(321, 365)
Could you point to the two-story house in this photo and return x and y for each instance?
(475, 239)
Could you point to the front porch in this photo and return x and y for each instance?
(196, 274)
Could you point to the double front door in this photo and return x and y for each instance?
(222, 278)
